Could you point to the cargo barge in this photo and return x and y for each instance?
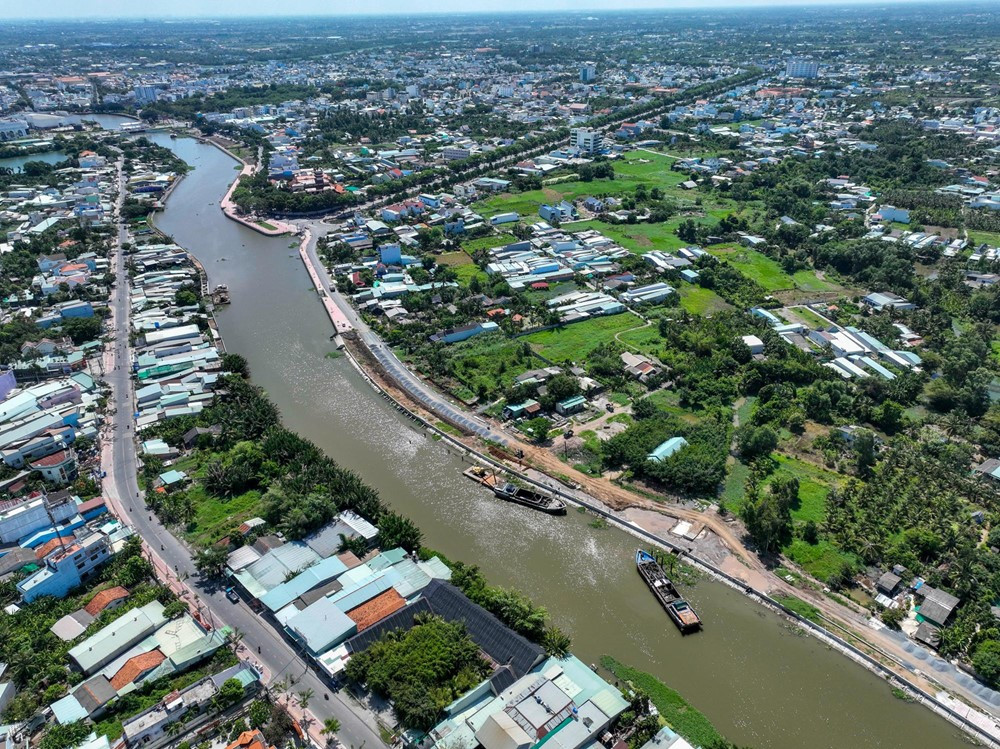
(679, 610)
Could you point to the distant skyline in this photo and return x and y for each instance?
(107, 9)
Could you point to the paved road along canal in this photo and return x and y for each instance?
(761, 681)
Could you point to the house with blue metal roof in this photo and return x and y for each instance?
(321, 626)
(665, 449)
(274, 567)
(312, 577)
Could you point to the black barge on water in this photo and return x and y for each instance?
(679, 610)
(521, 495)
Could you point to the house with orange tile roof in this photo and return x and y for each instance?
(52, 544)
(136, 667)
(375, 610)
(110, 598)
(250, 740)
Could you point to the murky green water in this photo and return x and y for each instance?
(761, 682)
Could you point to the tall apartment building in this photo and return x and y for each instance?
(586, 140)
(145, 94)
(588, 72)
(802, 69)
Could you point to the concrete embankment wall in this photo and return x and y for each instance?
(826, 635)
(338, 319)
(227, 205)
(340, 322)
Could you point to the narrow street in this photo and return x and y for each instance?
(260, 643)
(909, 661)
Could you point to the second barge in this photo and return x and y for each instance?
(679, 610)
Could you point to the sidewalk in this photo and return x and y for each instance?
(340, 322)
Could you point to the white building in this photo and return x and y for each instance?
(455, 153)
(586, 140)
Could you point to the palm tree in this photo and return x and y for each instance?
(330, 727)
(304, 696)
(236, 637)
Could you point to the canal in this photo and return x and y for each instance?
(762, 682)
(106, 121)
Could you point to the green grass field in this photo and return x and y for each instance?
(454, 259)
(575, 341)
(215, 518)
(814, 486)
(652, 167)
(488, 242)
(813, 320)
(527, 203)
(732, 490)
(646, 340)
(487, 364)
(669, 401)
(700, 301)
(636, 168)
(639, 238)
(468, 271)
(822, 560)
(756, 266)
(744, 412)
(989, 237)
(807, 280)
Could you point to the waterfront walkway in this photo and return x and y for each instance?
(340, 322)
(644, 517)
(276, 659)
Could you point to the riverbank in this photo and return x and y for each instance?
(229, 208)
(744, 576)
(967, 718)
(337, 317)
(581, 567)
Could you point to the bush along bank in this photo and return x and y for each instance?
(242, 464)
(673, 709)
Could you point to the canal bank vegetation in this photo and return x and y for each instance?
(673, 709)
(247, 454)
(800, 607)
(144, 151)
(243, 463)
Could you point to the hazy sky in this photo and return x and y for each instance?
(215, 8)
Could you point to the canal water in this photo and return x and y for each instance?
(762, 683)
(106, 121)
(16, 162)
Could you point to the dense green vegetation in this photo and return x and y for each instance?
(422, 670)
(672, 707)
(292, 483)
(257, 467)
